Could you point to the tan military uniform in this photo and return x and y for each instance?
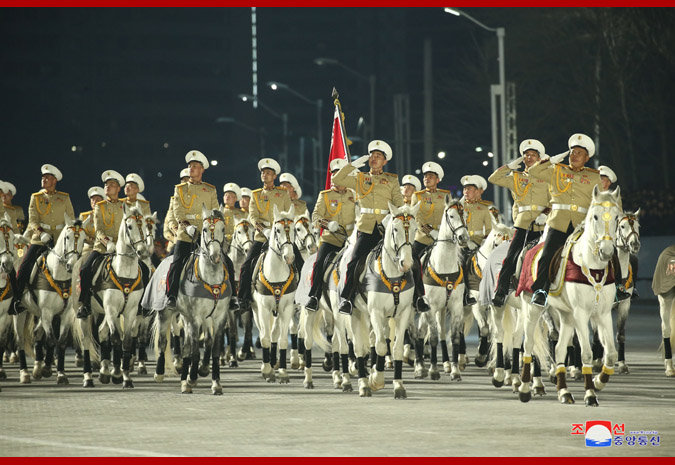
(187, 205)
(432, 205)
(232, 216)
(334, 206)
(300, 207)
(373, 193)
(530, 195)
(15, 213)
(571, 192)
(46, 214)
(90, 232)
(170, 227)
(108, 215)
(478, 216)
(261, 208)
(144, 204)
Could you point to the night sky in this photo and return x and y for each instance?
(135, 89)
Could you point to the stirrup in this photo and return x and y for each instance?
(345, 307)
(171, 303)
(536, 301)
(422, 305)
(234, 303)
(312, 304)
(84, 311)
(499, 299)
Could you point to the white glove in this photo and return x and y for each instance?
(190, 230)
(45, 238)
(333, 226)
(514, 164)
(558, 158)
(540, 220)
(434, 234)
(361, 161)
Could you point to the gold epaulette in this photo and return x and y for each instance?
(420, 192)
(181, 184)
(326, 191)
(394, 175)
(445, 191)
(256, 190)
(486, 202)
(210, 185)
(101, 202)
(593, 170)
(279, 188)
(84, 215)
(63, 193)
(37, 193)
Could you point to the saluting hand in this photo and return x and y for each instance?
(514, 164)
(361, 161)
(558, 158)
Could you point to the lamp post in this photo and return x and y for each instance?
(282, 116)
(370, 79)
(318, 148)
(501, 90)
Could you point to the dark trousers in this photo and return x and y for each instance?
(554, 240)
(23, 275)
(417, 249)
(510, 262)
(87, 275)
(317, 274)
(364, 244)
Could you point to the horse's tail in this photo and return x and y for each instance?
(27, 333)
(541, 347)
(319, 337)
(154, 341)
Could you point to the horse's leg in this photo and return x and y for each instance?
(51, 328)
(564, 339)
(343, 347)
(61, 344)
(621, 317)
(581, 320)
(142, 345)
(532, 313)
(218, 332)
(434, 374)
(209, 342)
(160, 330)
(263, 320)
(307, 318)
(106, 350)
(497, 314)
(380, 328)
(606, 331)
(421, 370)
(186, 355)
(666, 304)
(397, 352)
(233, 332)
(597, 349)
(539, 389)
(284, 319)
(87, 341)
(480, 314)
(39, 349)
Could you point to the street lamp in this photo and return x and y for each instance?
(282, 116)
(318, 151)
(370, 78)
(501, 90)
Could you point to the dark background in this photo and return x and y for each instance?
(134, 89)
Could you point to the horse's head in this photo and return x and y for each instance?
(283, 234)
(150, 231)
(628, 235)
(305, 235)
(601, 222)
(400, 228)
(242, 238)
(70, 243)
(453, 227)
(6, 244)
(213, 233)
(499, 233)
(132, 231)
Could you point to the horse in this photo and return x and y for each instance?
(663, 286)
(385, 292)
(627, 244)
(444, 288)
(47, 298)
(588, 250)
(274, 293)
(117, 291)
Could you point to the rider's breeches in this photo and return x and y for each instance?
(26, 267)
(181, 253)
(511, 260)
(417, 250)
(246, 275)
(364, 244)
(317, 274)
(554, 240)
(87, 275)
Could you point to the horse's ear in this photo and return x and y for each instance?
(415, 209)
(205, 212)
(155, 217)
(386, 220)
(448, 200)
(637, 213)
(596, 191)
(86, 223)
(617, 193)
(276, 213)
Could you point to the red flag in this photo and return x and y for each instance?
(338, 141)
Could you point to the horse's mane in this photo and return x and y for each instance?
(217, 214)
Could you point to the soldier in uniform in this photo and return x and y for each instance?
(3, 188)
(245, 199)
(45, 223)
(335, 208)
(132, 189)
(571, 189)
(232, 214)
(108, 215)
(409, 185)
(374, 191)
(530, 199)
(288, 182)
(170, 223)
(15, 212)
(187, 210)
(96, 194)
(431, 209)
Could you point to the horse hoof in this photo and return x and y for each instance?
(434, 375)
(347, 387)
(566, 398)
(327, 365)
(233, 363)
(185, 388)
(24, 377)
(117, 380)
(540, 391)
(3, 375)
(192, 382)
(217, 390)
(496, 383)
(142, 370)
(447, 367)
(481, 361)
(158, 378)
(127, 384)
(591, 401)
(203, 370)
(400, 393)
(46, 371)
(455, 377)
(37, 373)
(240, 355)
(13, 358)
(62, 380)
(105, 379)
(365, 392)
(88, 383)
(525, 396)
(623, 369)
(421, 372)
(308, 385)
(284, 379)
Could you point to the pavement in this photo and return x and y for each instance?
(254, 418)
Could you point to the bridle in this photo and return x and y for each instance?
(63, 259)
(247, 226)
(286, 223)
(622, 242)
(139, 223)
(455, 236)
(305, 223)
(405, 219)
(209, 234)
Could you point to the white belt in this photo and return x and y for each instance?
(53, 228)
(193, 217)
(376, 211)
(531, 208)
(479, 232)
(573, 207)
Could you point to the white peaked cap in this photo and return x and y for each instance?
(382, 146)
(432, 166)
(133, 177)
(582, 140)
(233, 187)
(532, 144)
(410, 179)
(196, 155)
(107, 175)
(53, 170)
(476, 180)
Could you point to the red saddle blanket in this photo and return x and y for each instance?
(573, 272)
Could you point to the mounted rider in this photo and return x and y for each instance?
(96, 194)
(170, 224)
(374, 190)
(15, 212)
(290, 183)
(231, 214)
(245, 200)
(45, 223)
(530, 199)
(335, 212)
(189, 199)
(571, 188)
(409, 185)
(132, 189)
(261, 216)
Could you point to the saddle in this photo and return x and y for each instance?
(42, 280)
(105, 278)
(277, 289)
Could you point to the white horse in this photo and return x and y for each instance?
(663, 286)
(591, 248)
(274, 284)
(46, 298)
(385, 292)
(118, 289)
(627, 244)
(444, 288)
